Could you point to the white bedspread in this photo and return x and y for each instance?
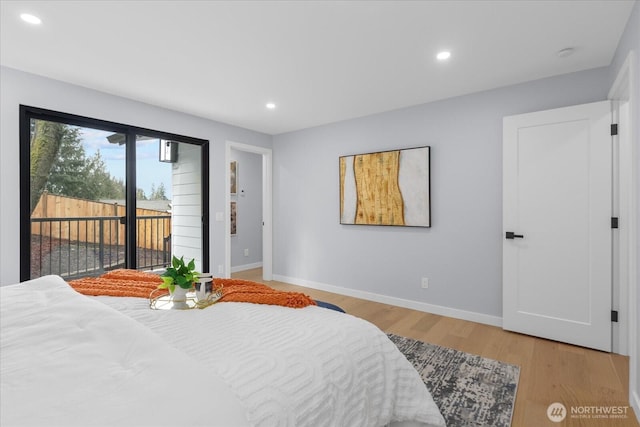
(67, 359)
(297, 367)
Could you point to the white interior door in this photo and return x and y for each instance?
(557, 207)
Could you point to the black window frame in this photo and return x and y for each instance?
(28, 113)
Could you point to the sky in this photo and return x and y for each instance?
(149, 169)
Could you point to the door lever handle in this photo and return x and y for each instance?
(512, 235)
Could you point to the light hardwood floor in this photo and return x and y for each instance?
(549, 371)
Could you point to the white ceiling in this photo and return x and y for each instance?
(320, 61)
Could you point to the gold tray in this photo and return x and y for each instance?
(164, 302)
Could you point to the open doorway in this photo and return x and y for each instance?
(246, 210)
(236, 151)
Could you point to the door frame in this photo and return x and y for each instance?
(625, 261)
(623, 90)
(27, 113)
(267, 212)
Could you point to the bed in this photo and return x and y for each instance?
(72, 360)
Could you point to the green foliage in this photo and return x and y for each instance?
(100, 183)
(140, 194)
(46, 139)
(60, 165)
(74, 174)
(159, 193)
(181, 274)
(67, 175)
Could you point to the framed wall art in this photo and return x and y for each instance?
(386, 188)
(234, 217)
(233, 172)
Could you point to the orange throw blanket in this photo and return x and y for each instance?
(119, 283)
(237, 290)
(132, 283)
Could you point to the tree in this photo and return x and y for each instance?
(46, 139)
(59, 164)
(119, 188)
(74, 174)
(140, 194)
(159, 193)
(69, 172)
(100, 183)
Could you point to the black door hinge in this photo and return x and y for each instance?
(614, 315)
(614, 129)
(614, 222)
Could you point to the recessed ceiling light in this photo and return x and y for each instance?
(444, 55)
(271, 106)
(31, 19)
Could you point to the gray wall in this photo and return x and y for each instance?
(249, 211)
(629, 41)
(18, 88)
(461, 253)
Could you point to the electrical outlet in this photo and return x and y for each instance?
(425, 283)
(246, 252)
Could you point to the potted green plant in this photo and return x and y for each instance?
(178, 279)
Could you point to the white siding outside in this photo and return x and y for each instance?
(186, 206)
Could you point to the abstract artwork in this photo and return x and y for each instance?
(233, 172)
(234, 216)
(386, 188)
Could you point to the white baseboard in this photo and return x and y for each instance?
(400, 302)
(246, 267)
(634, 400)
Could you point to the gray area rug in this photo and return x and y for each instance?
(470, 390)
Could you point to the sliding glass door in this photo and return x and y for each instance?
(186, 177)
(154, 188)
(97, 195)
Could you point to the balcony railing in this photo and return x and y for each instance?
(87, 246)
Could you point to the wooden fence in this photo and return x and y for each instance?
(106, 228)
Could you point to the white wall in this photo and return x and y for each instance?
(249, 211)
(461, 253)
(186, 204)
(18, 88)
